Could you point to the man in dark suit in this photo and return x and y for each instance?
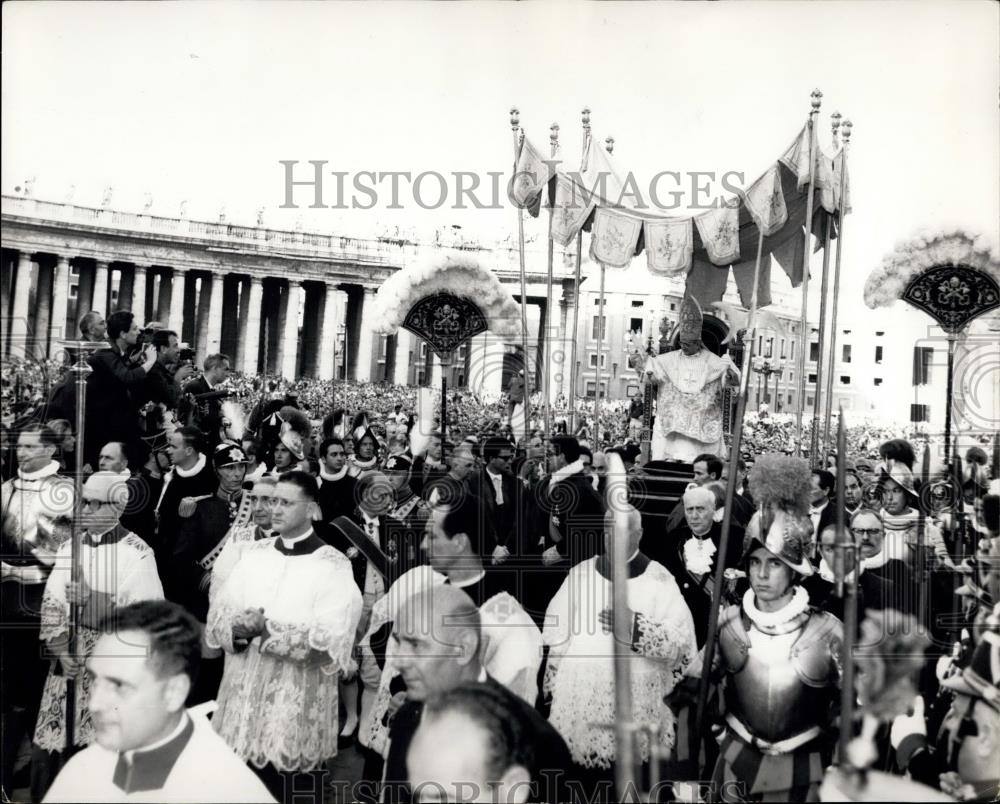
(874, 592)
(163, 383)
(208, 414)
(820, 508)
(429, 466)
(496, 488)
(114, 387)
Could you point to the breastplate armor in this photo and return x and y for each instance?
(32, 510)
(781, 685)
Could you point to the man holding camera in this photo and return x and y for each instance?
(114, 387)
(163, 382)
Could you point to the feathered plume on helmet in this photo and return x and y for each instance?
(360, 428)
(780, 486)
(295, 430)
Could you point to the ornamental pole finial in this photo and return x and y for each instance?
(845, 131)
(816, 98)
(609, 144)
(515, 118)
(585, 116)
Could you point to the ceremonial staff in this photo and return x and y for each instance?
(847, 590)
(845, 135)
(515, 120)
(727, 516)
(547, 332)
(922, 576)
(573, 370)
(958, 525)
(816, 99)
(82, 370)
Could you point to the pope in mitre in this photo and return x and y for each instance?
(689, 400)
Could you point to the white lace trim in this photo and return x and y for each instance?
(698, 554)
(772, 619)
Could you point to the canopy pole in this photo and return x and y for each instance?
(574, 352)
(515, 126)
(547, 385)
(814, 433)
(600, 341)
(727, 516)
(847, 589)
(816, 99)
(845, 131)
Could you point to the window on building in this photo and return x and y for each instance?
(847, 332)
(809, 400)
(789, 399)
(879, 333)
(812, 378)
(635, 325)
(592, 389)
(923, 356)
(845, 379)
(813, 352)
(770, 348)
(878, 355)
(673, 306)
(846, 354)
(782, 348)
(602, 324)
(423, 350)
(592, 360)
(791, 376)
(760, 344)
(920, 413)
(878, 381)
(791, 353)
(637, 303)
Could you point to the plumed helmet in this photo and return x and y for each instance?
(295, 430)
(784, 534)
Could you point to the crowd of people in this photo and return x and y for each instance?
(233, 605)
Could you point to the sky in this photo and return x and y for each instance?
(201, 102)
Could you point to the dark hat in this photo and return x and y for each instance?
(398, 463)
(227, 454)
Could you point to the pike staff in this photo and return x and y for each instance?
(727, 517)
(547, 333)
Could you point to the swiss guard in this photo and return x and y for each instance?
(780, 659)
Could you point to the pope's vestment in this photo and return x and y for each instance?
(688, 404)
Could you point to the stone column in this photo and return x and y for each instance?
(404, 343)
(213, 342)
(43, 311)
(139, 293)
(328, 337)
(365, 337)
(100, 302)
(290, 340)
(312, 330)
(19, 310)
(242, 290)
(177, 301)
(250, 326)
(60, 298)
(164, 292)
(126, 280)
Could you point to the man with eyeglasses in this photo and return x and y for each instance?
(869, 535)
(293, 607)
(116, 568)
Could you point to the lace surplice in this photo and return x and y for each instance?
(279, 702)
(579, 676)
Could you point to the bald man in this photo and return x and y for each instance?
(690, 552)
(436, 646)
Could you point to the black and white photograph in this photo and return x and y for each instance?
(550, 401)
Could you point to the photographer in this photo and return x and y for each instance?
(163, 382)
(114, 387)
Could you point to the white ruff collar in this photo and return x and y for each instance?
(332, 478)
(765, 620)
(198, 466)
(366, 464)
(567, 471)
(826, 573)
(51, 468)
(876, 561)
